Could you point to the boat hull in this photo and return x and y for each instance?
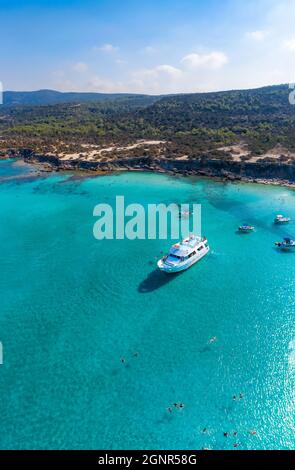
(172, 269)
(286, 247)
(249, 230)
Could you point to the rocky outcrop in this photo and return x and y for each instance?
(226, 169)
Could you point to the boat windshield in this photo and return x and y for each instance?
(174, 258)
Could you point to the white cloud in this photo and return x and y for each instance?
(213, 60)
(80, 67)
(104, 85)
(156, 80)
(107, 48)
(160, 71)
(169, 70)
(289, 44)
(258, 36)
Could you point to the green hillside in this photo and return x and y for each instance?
(193, 123)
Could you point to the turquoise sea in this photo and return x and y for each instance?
(72, 307)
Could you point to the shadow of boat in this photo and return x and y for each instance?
(240, 232)
(285, 251)
(155, 280)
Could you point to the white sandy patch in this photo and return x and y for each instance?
(277, 152)
(93, 152)
(183, 157)
(241, 150)
(237, 151)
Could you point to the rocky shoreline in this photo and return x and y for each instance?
(282, 174)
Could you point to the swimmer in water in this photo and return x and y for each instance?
(213, 340)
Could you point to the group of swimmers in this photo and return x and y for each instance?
(239, 397)
(227, 434)
(178, 406)
(123, 360)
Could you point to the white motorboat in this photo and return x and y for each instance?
(246, 228)
(286, 244)
(184, 254)
(185, 214)
(280, 219)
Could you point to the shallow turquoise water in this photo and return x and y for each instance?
(72, 307)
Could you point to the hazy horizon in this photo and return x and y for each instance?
(148, 94)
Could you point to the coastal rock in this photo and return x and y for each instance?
(270, 172)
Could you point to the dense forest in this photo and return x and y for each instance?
(192, 123)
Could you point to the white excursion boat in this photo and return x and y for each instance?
(184, 254)
(287, 244)
(280, 219)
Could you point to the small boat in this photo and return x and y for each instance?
(185, 214)
(246, 228)
(184, 254)
(287, 244)
(280, 219)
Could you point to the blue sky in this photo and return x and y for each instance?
(154, 46)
